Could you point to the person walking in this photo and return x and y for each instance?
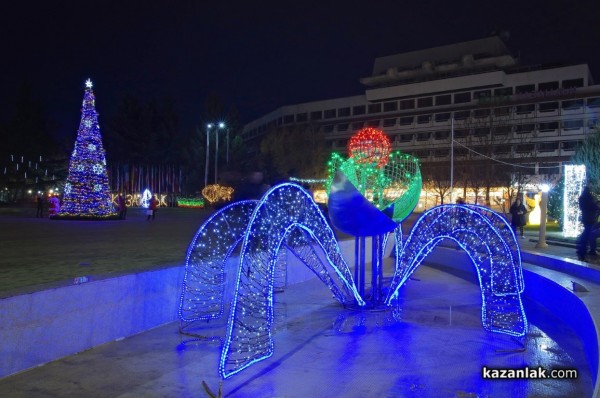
(122, 207)
(517, 213)
(152, 208)
(40, 207)
(589, 219)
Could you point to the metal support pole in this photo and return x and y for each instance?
(381, 252)
(374, 271)
(361, 286)
(216, 154)
(207, 155)
(544, 210)
(356, 255)
(452, 159)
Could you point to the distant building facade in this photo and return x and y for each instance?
(533, 116)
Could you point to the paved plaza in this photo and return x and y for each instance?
(323, 350)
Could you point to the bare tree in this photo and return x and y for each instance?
(437, 179)
(299, 150)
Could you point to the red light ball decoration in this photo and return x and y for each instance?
(370, 146)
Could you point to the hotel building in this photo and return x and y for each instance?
(528, 118)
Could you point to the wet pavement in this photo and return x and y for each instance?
(436, 349)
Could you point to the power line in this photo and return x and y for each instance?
(503, 162)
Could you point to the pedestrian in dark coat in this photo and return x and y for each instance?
(122, 207)
(517, 213)
(589, 219)
(40, 207)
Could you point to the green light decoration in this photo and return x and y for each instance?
(190, 203)
(395, 181)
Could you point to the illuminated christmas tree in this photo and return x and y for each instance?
(86, 193)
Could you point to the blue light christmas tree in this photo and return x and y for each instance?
(86, 193)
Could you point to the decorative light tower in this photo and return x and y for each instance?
(87, 193)
(574, 182)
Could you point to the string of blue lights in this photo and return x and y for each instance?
(491, 245)
(287, 218)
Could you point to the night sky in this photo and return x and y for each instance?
(257, 55)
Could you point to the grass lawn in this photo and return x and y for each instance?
(550, 227)
(37, 253)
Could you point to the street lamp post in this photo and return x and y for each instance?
(543, 211)
(208, 127)
(220, 126)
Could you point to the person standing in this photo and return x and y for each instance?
(122, 207)
(589, 219)
(152, 208)
(517, 213)
(40, 207)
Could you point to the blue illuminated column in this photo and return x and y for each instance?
(574, 181)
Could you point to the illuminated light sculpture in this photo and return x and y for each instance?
(204, 280)
(86, 193)
(492, 247)
(190, 203)
(370, 193)
(575, 175)
(215, 193)
(392, 183)
(287, 218)
(146, 196)
(535, 213)
(370, 146)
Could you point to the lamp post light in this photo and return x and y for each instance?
(227, 153)
(220, 126)
(208, 127)
(543, 211)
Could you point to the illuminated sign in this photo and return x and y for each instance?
(135, 200)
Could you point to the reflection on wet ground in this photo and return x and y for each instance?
(433, 346)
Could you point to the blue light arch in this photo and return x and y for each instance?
(491, 245)
(287, 214)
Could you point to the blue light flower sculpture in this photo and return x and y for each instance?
(287, 218)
